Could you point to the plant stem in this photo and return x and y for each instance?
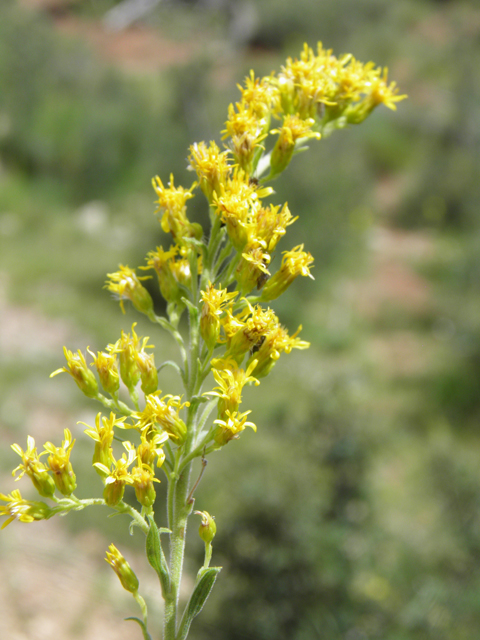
(180, 512)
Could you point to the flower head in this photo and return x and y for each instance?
(172, 203)
(164, 413)
(77, 368)
(127, 348)
(230, 385)
(117, 476)
(214, 301)
(143, 478)
(294, 263)
(246, 129)
(172, 269)
(233, 424)
(208, 528)
(269, 349)
(107, 369)
(292, 130)
(103, 435)
(123, 570)
(59, 463)
(36, 470)
(24, 510)
(210, 165)
(126, 285)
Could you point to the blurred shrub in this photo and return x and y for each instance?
(65, 115)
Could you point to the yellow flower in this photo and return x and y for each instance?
(148, 371)
(24, 510)
(325, 88)
(211, 166)
(259, 95)
(172, 202)
(107, 369)
(103, 434)
(383, 93)
(236, 205)
(173, 271)
(292, 130)
(214, 301)
(229, 428)
(255, 323)
(163, 412)
(127, 348)
(252, 269)
(143, 479)
(294, 263)
(123, 570)
(59, 463)
(270, 225)
(230, 386)
(118, 476)
(307, 83)
(35, 469)
(77, 368)
(270, 348)
(150, 448)
(246, 130)
(126, 285)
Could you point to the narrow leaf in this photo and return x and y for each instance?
(202, 590)
(146, 635)
(156, 557)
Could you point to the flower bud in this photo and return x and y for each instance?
(208, 528)
(123, 570)
(148, 372)
(77, 368)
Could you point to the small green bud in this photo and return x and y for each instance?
(208, 528)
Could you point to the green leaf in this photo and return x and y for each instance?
(155, 555)
(203, 587)
(170, 363)
(146, 635)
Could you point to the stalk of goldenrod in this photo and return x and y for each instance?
(222, 284)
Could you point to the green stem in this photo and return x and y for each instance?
(115, 405)
(181, 511)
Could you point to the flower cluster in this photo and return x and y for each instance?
(223, 278)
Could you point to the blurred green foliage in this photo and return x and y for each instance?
(353, 514)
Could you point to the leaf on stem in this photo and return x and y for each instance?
(205, 581)
(146, 635)
(155, 555)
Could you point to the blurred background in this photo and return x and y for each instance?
(354, 512)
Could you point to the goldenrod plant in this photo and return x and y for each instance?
(221, 278)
